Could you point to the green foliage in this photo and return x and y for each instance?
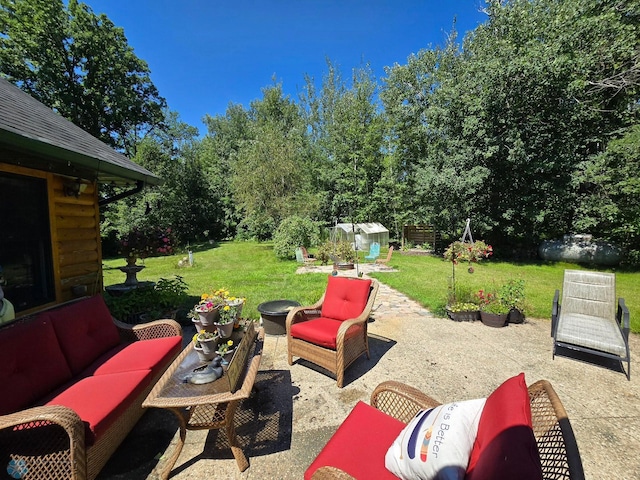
(160, 301)
(81, 65)
(512, 294)
(293, 232)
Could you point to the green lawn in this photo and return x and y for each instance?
(251, 270)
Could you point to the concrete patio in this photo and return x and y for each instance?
(295, 409)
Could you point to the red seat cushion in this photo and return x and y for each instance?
(31, 363)
(359, 445)
(321, 331)
(505, 447)
(99, 401)
(85, 331)
(345, 297)
(153, 354)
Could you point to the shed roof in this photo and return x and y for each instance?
(28, 125)
(367, 228)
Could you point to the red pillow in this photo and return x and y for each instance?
(31, 363)
(345, 297)
(85, 331)
(505, 447)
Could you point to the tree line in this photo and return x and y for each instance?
(528, 125)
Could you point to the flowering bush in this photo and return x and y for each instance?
(467, 252)
(146, 243)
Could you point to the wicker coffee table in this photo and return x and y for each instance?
(209, 406)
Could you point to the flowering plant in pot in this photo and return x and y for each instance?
(142, 243)
(202, 345)
(493, 311)
(513, 296)
(209, 305)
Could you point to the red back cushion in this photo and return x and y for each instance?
(85, 331)
(505, 447)
(345, 298)
(31, 363)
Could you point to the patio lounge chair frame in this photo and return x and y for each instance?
(348, 348)
(557, 446)
(587, 320)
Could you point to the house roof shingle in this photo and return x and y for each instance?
(27, 124)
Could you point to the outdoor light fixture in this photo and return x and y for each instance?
(73, 188)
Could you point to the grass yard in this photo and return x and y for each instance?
(251, 270)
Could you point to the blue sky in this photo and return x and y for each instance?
(205, 54)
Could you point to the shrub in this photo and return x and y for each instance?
(293, 232)
(160, 301)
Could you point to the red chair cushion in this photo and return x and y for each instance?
(153, 354)
(359, 445)
(322, 331)
(101, 400)
(85, 331)
(31, 363)
(345, 298)
(505, 447)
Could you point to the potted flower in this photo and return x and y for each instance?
(201, 341)
(227, 319)
(208, 307)
(493, 312)
(224, 349)
(512, 295)
(463, 312)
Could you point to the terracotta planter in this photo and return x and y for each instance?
(494, 319)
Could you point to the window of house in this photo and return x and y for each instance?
(26, 261)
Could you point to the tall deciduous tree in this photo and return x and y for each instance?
(81, 65)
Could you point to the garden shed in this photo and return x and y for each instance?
(50, 169)
(361, 234)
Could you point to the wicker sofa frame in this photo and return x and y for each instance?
(348, 348)
(556, 442)
(51, 438)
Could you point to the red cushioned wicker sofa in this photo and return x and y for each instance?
(73, 381)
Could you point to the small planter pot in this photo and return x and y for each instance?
(225, 330)
(238, 304)
(208, 318)
(496, 320)
(515, 316)
(209, 345)
(465, 316)
(204, 357)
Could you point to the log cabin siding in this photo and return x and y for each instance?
(75, 232)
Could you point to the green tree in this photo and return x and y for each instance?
(81, 65)
(347, 130)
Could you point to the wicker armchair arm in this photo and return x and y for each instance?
(302, 314)
(555, 438)
(331, 473)
(146, 331)
(400, 401)
(34, 435)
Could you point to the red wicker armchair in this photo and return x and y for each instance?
(554, 437)
(332, 333)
